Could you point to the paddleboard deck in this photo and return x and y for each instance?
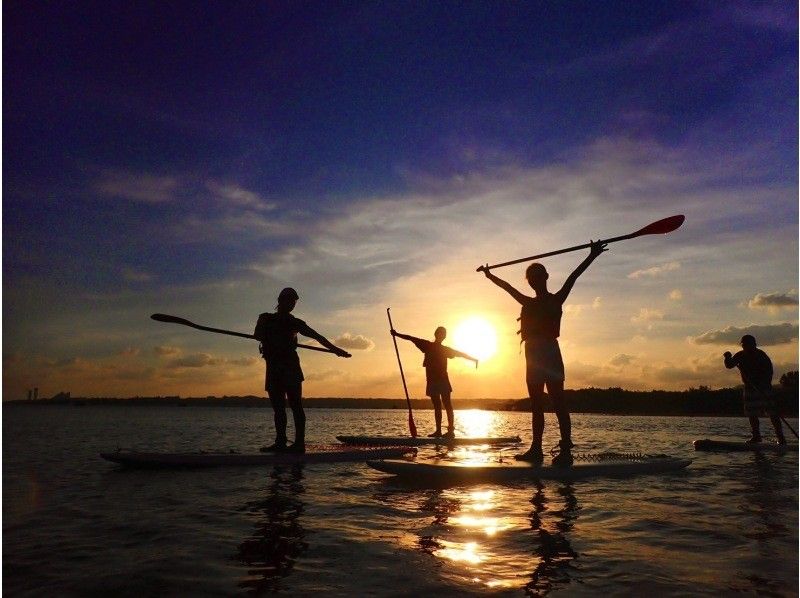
(313, 454)
(447, 471)
(707, 444)
(425, 440)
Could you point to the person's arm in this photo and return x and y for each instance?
(420, 343)
(519, 297)
(457, 353)
(731, 361)
(306, 330)
(597, 248)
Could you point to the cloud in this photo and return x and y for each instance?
(144, 188)
(765, 335)
(622, 360)
(350, 341)
(773, 301)
(675, 295)
(165, 350)
(132, 275)
(647, 315)
(129, 352)
(655, 270)
(238, 197)
(197, 360)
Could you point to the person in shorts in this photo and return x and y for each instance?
(540, 327)
(277, 333)
(437, 382)
(755, 367)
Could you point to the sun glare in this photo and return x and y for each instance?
(476, 337)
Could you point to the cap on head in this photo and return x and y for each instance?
(748, 340)
(288, 293)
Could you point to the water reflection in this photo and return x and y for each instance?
(552, 546)
(278, 538)
(478, 423)
(476, 533)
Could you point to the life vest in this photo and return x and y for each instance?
(540, 317)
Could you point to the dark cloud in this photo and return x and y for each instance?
(770, 334)
(197, 360)
(622, 359)
(772, 300)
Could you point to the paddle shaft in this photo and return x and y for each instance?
(660, 227)
(411, 425)
(184, 322)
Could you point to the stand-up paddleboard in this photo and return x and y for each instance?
(732, 445)
(426, 440)
(313, 454)
(510, 470)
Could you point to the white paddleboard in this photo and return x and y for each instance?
(313, 454)
(516, 470)
(424, 440)
(733, 445)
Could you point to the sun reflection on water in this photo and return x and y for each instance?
(477, 423)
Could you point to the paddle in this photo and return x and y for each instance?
(764, 396)
(176, 320)
(660, 227)
(412, 428)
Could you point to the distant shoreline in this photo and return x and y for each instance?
(610, 401)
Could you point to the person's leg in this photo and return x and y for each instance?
(556, 391)
(295, 393)
(754, 428)
(448, 407)
(776, 423)
(437, 413)
(536, 393)
(277, 398)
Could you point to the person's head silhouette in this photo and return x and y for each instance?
(287, 299)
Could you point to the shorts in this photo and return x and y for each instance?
(438, 386)
(758, 402)
(280, 380)
(543, 362)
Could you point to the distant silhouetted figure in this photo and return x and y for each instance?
(284, 380)
(437, 385)
(755, 367)
(540, 327)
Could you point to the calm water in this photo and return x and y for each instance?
(76, 525)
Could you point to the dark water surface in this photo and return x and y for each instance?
(76, 525)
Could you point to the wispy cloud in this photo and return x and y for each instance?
(354, 341)
(769, 334)
(237, 196)
(144, 188)
(656, 270)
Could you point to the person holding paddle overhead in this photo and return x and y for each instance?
(755, 367)
(540, 327)
(277, 333)
(437, 385)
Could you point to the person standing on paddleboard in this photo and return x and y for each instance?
(277, 333)
(540, 327)
(437, 385)
(755, 367)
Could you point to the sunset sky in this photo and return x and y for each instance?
(194, 158)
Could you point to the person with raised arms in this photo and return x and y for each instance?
(755, 367)
(277, 333)
(540, 327)
(437, 385)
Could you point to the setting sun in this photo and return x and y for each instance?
(475, 336)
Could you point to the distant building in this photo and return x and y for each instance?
(62, 396)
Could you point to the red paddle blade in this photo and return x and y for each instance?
(411, 425)
(661, 227)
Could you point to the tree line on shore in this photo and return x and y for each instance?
(614, 401)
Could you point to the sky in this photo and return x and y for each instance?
(194, 158)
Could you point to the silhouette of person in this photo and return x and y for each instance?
(540, 327)
(277, 333)
(755, 368)
(437, 385)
